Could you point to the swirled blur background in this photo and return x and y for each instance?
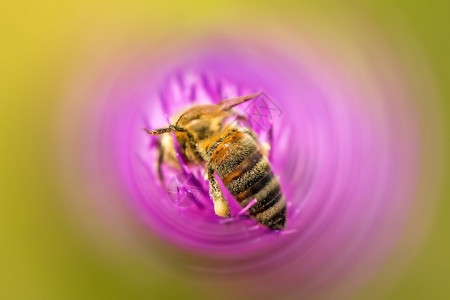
(59, 61)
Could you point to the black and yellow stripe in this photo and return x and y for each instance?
(247, 175)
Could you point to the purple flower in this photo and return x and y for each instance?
(343, 147)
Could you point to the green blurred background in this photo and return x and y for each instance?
(43, 253)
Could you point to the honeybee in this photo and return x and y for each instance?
(233, 152)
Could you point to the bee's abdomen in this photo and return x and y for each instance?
(260, 183)
(247, 175)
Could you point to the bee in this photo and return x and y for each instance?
(233, 152)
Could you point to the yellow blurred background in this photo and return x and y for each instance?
(43, 253)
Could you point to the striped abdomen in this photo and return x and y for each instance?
(247, 175)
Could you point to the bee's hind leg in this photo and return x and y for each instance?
(221, 207)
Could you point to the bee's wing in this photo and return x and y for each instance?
(227, 104)
(221, 110)
(203, 112)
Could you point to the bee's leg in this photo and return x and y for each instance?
(160, 160)
(194, 146)
(221, 207)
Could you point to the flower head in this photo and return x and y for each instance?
(343, 152)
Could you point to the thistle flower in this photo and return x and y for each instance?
(342, 145)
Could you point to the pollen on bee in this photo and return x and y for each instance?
(265, 148)
(221, 209)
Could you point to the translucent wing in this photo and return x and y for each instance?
(227, 104)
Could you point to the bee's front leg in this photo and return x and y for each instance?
(221, 207)
(160, 161)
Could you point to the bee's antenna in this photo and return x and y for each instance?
(164, 130)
